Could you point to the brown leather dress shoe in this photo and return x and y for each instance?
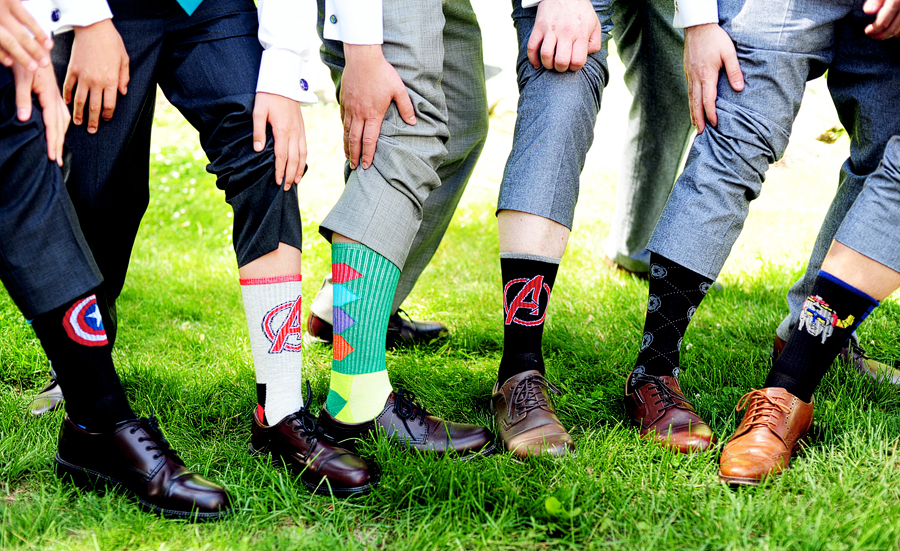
(525, 419)
(855, 355)
(324, 467)
(406, 422)
(659, 407)
(136, 456)
(401, 331)
(772, 430)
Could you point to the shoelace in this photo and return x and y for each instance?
(157, 439)
(406, 407)
(306, 423)
(666, 395)
(527, 394)
(760, 409)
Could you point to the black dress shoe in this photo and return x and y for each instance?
(136, 456)
(323, 466)
(401, 331)
(406, 422)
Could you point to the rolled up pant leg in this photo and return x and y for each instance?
(382, 207)
(659, 125)
(554, 129)
(779, 47)
(873, 222)
(467, 110)
(864, 80)
(44, 259)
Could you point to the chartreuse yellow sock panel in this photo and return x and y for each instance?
(364, 287)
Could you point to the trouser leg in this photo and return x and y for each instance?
(659, 125)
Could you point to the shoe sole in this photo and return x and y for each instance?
(90, 479)
(322, 489)
(738, 481)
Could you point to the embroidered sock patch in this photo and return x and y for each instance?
(828, 317)
(74, 338)
(527, 283)
(272, 306)
(364, 284)
(675, 294)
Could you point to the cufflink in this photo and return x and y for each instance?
(333, 19)
(304, 85)
(54, 15)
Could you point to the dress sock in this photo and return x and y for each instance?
(364, 286)
(272, 306)
(675, 294)
(74, 339)
(828, 317)
(527, 283)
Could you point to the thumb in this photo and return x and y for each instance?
(405, 106)
(733, 71)
(596, 39)
(260, 118)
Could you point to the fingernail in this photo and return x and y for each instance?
(32, 66)
(92, 129)
(23, 114)
(125, 90)
(45, 62)
(365, 166)
(257, 146)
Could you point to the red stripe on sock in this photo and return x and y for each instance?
(342, 273)
(270, 280)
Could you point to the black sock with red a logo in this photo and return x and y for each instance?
(76, 342)
(527, 283)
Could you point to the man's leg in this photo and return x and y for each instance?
(862, 68)
(466, 98)
(372, 228)
(208, 70)
(554, 130)
(46, 266)
(861, 269)
(779, 50)
(659, 125)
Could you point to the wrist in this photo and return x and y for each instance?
(362, 52)
(99, 26)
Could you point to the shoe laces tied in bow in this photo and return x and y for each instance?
(303, 421)
(661, 390)
(761, 409)
(527, 394)
(406, 407)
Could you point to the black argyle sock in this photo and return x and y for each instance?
(527, 283)
(829, 316)
(675, 294)
(75, 341)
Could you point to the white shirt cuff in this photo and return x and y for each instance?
(530, 3)
(59, 16)
(354, 21)
(690, 13)
(281, 72)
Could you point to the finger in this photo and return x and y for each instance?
(34, 51)
(579, 55)
(534, 45)
(51, 127)
(124, 75)
(23, 98)
(293, 162)
(595, 42)
(370, 141)
(63, 126)
(81, 92)
(281, 155)
(733, 71)
(697, 106)
(347, 124)
(881, 28)
(563, 57)
(13, 47)
(5, 58)
(708, 97)
(110, 96)
(872, 6)
(40, 36)
(548, 46)
(404, 106)
(69, 85)
(260, 118)
(354, 140)
(95, 105)
(303, 153)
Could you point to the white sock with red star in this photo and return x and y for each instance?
(272, 305)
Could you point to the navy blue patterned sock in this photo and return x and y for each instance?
(829, 316)
(675, 294)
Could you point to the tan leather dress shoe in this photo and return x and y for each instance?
(775, 424)
(525, 419)
(659, 407)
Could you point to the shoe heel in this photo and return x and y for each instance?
(78, 476)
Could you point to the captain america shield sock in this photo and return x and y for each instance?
(272, 305)
(76, 343)
(675, 294)
(527, 283)
(364, 284)
(829, 316)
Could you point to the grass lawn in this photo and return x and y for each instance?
(183, 352)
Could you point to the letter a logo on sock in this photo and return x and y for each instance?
(84, 323)
(285, 332)
(534, 288)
